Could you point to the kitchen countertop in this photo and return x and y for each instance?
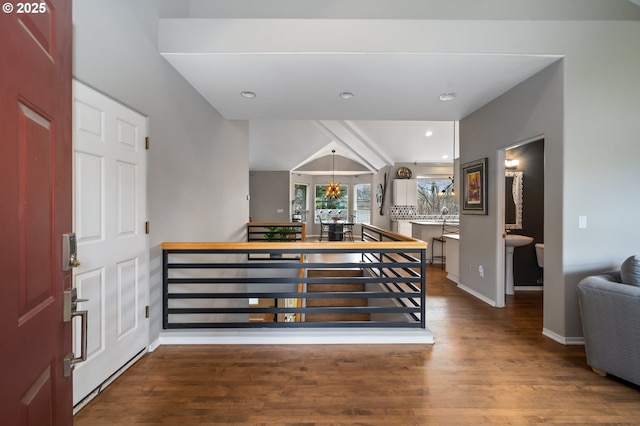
(432, 222)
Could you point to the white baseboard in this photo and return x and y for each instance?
(562, 339)
(307, 336)
(474, 293)
(154, 345)
(528, 288)
(453, 278)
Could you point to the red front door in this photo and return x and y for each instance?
(35, 210)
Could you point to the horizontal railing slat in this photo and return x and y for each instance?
(292, 295)
(334, 324)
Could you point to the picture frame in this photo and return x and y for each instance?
(474, 187)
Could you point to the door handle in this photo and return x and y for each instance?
(70, 311)
(84, 315)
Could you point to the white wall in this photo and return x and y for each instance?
(589, 165)
(414, 9)
(590, 170)
(198, 162)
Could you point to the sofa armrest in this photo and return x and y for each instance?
(610, 314)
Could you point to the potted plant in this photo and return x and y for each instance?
(275, 233)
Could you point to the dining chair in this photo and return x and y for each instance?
(324, 228)
(347, 231)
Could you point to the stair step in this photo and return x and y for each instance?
(334, 287)
(335, 302)
(334, 272)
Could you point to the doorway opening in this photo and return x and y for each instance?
(521, 200)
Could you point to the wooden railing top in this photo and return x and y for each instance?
(298, 245)
(280, 224)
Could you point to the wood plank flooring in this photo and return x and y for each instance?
(488, 366)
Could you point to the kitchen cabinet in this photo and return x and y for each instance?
(402, 227)
(405, 192)
(452, 252)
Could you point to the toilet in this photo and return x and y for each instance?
(540, 254)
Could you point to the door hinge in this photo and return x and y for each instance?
(146, 311)
(146, 142)
(146, 227)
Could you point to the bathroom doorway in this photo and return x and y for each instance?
(522, 206)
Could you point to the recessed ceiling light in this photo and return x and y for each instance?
(445, 156)
(429, 133)
(248, 94)
(447, 96)
(347, 95)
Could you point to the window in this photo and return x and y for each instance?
(362, 203)
(435, 196)
(299, 204)
(327, 208)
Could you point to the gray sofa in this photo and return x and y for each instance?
(610, 311)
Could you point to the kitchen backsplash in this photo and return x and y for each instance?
(411, 213)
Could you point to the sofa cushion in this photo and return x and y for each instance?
(630, 271)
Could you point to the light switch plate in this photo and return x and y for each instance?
(582, 222)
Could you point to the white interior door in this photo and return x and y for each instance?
(109, 220)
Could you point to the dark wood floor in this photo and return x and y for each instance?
(488, 366)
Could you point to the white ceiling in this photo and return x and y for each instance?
(298, 115)
(396, 100)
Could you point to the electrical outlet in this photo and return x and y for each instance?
(280, 211)
(481, 270)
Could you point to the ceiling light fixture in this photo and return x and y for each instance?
(333, 187)
(447, 97)
(247, 94)
(451, 187)
(429, 133)
(347, 95)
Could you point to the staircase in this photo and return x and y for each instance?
(335, 302)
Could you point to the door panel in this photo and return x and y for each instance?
(89, 197)
(34, 204)
(110, 215)
(35, 171)
(126, 195)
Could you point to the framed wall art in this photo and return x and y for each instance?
(474, 187)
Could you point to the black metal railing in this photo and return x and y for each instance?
(400, 286)
(212, 285)
(275, 232)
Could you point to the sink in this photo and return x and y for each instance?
(511, 242)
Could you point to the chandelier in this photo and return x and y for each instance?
(333, 187)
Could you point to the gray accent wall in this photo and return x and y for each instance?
(532, 109)
(198, 172)
(269, 193)
(586, 108)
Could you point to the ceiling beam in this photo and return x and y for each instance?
(364, 151)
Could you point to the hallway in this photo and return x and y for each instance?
(488, 366)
